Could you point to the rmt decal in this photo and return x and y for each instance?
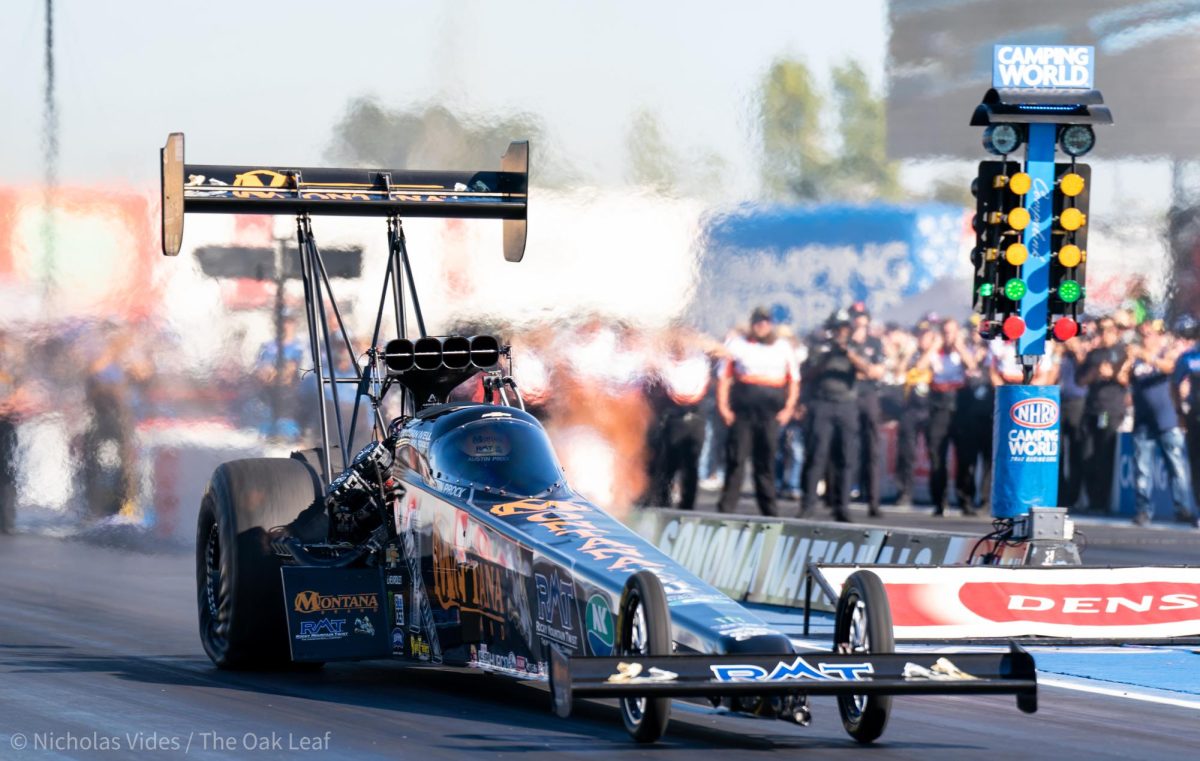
(1035, 413)
(796, 670)
(556, 598)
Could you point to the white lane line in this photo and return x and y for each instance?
(1079, 687)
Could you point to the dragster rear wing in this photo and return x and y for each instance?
(219, 189)
(1012, 672)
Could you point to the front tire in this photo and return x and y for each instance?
(644, 628)
(243, 623)
(864, 625)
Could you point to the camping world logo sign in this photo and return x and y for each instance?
(1043, 67)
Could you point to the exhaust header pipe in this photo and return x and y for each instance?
(485, 351)
(432, 353)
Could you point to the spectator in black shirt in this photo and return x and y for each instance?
(1103, 413)
(832, 414)
(870, 416)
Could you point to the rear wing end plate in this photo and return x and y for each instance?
(221, 189)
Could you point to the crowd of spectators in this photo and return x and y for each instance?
(660, 416)
(812, 418)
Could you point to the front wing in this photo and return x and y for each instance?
(811, 673)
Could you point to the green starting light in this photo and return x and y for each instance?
(1069, 291)
(986, 290)
(1015, 289)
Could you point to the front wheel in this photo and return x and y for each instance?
(864, 625)
(644, 628)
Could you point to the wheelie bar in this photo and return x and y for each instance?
(1012, 672)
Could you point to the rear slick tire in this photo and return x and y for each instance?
(644, 628)
(863, 624)
(243, 621)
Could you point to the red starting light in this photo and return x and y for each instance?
(1014, 327)
(1065, 329)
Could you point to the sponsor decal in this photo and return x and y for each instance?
(1033, 446)
(391, 556)
(451, 490)
(1043, 66)
(315, 602)
(510, 663)
(556, 608)
(475, 586)
(419, 647)
(942, 670)
(398, 609)
(600, 542)
(322, 629)
(631, 673)
(394, 580)
(259, 178)
(743, 632)
(1038, 412)
(576, 519)
(363, 626)
(397, 641)
(599, 625)
(798, 669)
(422, 620)
(1033, 438)
(416, 434)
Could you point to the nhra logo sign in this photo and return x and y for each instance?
(1035, 413)
(1043, 66)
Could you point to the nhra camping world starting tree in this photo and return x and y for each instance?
(1030, 254)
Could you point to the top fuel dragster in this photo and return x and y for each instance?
(452, 537)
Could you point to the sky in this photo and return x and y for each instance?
(264, 82)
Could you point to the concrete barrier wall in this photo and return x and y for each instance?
(763, 560)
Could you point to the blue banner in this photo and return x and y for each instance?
(1026, 450)
(814, 258)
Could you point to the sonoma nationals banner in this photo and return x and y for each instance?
(990, 602)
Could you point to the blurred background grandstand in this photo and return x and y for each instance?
(690, 161)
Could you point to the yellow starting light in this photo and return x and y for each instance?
(1072, 219)
(1070, 255)
(1016, 254)
(1018, 219)
(1020, 183)
(1071, 184)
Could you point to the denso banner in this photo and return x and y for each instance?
(1025, 441)
(1043, 66)
(987, 602)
